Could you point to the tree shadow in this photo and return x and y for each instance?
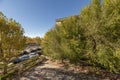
(62, 74)
(59, 74)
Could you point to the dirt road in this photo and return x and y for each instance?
(50, 70)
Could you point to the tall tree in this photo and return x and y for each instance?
(11, 39)
(93, 37)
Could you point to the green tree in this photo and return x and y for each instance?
(92, 37)
(11, 40)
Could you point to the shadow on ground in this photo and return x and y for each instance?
(41, 73)
(58, 74)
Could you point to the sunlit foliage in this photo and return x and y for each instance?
(91, 38)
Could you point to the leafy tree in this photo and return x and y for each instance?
(11, 39)
(36, 40)
(92, 38)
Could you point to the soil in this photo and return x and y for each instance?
(52, 70)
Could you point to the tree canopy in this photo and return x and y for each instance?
(92, 38)
(12, 39)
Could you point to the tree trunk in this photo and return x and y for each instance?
(5, 69)
(94, 43)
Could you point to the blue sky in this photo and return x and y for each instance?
(38, 16)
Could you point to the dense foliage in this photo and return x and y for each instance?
(91, 38)
(12, 39)
(36, 40)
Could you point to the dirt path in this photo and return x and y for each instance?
(50, 70)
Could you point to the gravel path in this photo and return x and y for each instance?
(53, 71)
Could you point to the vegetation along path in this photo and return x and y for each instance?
(51, 70)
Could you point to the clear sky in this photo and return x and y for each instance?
(38, 16)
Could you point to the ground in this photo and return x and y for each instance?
(51, 70)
